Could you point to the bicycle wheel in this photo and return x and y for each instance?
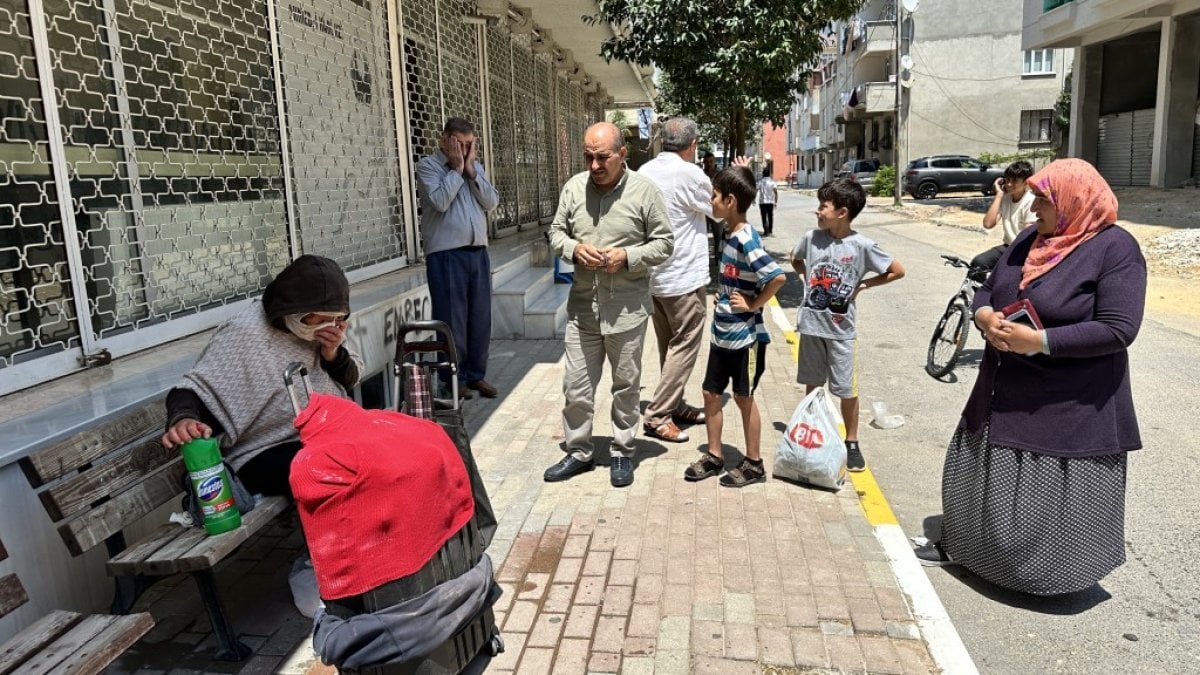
(948, 341)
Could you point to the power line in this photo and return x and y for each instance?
(964, 113)
(962, 136)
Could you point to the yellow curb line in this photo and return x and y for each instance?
(870, 496)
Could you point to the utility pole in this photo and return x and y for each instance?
(899, 190)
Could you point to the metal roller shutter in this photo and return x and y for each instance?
(1196, 153)
(1125, 147)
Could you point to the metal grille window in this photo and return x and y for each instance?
(1036, 126)
(341, 129)
(459, 61)
(36, 307)
(563, 129)
(500, 97)
(547, 145)
(525, 128)
(422, 78)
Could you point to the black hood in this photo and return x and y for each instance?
(310, 284)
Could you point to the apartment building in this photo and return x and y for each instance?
(971, 87)
(1135, 106)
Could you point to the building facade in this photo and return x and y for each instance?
(970, 90)
(1135, 104)
(162, 160)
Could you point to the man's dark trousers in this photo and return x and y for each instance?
(460, 289)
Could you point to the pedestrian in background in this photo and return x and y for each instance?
(768, 197)
(1033, 488)
(737, 356)
(678, 287)
(612, 225)
(455, 198)
(1011, 208)
(832, 261)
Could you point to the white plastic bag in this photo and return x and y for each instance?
(303, 580)
(811, 449)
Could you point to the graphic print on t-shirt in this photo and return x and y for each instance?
(830, 286)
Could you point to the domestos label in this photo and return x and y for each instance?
(210, 483)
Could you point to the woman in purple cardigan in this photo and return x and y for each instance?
(1033, 489)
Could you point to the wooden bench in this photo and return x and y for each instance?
(99, 481)
(64, 642)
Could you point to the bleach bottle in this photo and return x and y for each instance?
(210, 484)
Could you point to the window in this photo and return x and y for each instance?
(1035, 125)
(946, 164)
(1039, 62)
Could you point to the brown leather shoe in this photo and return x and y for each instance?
(485, 390)
(667, 432)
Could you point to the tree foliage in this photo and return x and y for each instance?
(724, 62)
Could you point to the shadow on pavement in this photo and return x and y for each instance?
(1060, 605)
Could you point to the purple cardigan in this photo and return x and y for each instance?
(1075, 402)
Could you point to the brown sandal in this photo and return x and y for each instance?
(746, 473)
(705, 467)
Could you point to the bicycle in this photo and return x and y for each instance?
(950, 336)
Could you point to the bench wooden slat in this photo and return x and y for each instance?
(12, 594)
(92, 527)
(75, 494)
(212, 550)
(51, 657)
(23, 645)
(165, 559)
(119, 634)
(91, 444)
(171, 548)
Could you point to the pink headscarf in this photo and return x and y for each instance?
(1086, 206)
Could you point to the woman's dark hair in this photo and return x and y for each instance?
(844, 193)
(766, 173)
(1019, 170)
(739, 182)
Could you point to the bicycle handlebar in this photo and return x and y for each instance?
(955, 261)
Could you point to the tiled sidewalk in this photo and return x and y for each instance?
(665, 576)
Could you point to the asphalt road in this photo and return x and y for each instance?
(1143, 618)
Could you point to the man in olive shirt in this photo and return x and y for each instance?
(612, 224)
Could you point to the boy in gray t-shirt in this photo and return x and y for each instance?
(833, 261)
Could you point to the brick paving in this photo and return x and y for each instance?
(665, 576)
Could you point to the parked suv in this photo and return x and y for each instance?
(861, 171)
(924, 178)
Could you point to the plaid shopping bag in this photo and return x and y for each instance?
(419, 399)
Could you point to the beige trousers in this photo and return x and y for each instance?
(586, 353)
(679, 325)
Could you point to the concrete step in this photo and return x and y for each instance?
(504, 272)
(527, 285)
(547, 314)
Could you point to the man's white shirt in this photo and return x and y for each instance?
(688, 194)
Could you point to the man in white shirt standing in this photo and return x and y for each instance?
(768, 196)
(1012, 209)
(678, 285)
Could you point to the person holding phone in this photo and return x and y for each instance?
(455, 199)
(1011, 208)
(1033, 488)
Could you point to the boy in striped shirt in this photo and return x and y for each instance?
(749, 278)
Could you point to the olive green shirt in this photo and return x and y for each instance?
(632, 215)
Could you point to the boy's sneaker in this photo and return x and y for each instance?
(933, 555)
(854, 457)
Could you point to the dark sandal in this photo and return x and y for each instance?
(689, 415)
(746, 473)
(706, 467)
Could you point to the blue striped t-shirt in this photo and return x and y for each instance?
(745, 267)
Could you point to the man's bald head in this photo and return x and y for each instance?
(604, 154)
(605, 133)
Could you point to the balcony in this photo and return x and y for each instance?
(869, 100)
(880, 40)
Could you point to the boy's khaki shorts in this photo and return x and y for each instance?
(827, 360)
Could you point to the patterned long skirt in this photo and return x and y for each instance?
(1032, 523)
